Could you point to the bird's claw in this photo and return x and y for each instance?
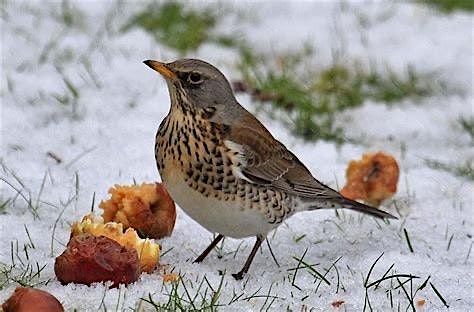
(238, 276)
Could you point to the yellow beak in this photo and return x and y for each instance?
(161, 68)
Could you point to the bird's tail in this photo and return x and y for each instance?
(342, 202)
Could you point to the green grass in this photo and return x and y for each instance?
(449, 6)
(186, 295)
(70, 15)
(4, 204)
(21, 192)
(180, 27)
(69, 98)
(28, 275)
(22, 270)
(397, 286)
(390, 87)
(467, 124)
(464, 170)
(314, 96)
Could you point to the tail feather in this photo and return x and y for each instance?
(342, 202)
(375, 212)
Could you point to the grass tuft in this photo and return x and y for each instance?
(465, 170)
(180, 27)
(20, 192)
(70, 96)
(467, 124)
(184, 295)
(4, 203)
(449, 6)
(310, 268)
(21, 270)
(310, 98)
(26, 275)
(401, 279)
(70, 16)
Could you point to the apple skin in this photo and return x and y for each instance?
(89, 259)
(32, 300)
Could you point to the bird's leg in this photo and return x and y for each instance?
(209, 248)
(258, 242)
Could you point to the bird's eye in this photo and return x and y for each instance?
(195, 78)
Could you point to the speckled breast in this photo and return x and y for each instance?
(192, 159)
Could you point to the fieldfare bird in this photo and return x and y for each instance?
(224, 168)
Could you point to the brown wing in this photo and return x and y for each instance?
(268, 162)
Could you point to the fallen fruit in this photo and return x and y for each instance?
(31, 300)
(372, 179)
(148, 251)
(148, 208)
(89, 259)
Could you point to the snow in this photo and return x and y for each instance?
(109, 139)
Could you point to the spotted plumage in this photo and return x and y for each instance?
(198, 151)
(224, 168)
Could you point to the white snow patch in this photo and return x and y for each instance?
(106, 135)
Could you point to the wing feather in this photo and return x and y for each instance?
(268, 162)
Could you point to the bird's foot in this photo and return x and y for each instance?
(198, 259)
(239, 276)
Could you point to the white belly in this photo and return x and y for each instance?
(223, 217)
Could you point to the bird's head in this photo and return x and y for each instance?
(197, 83)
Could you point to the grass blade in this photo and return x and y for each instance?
(439, 295)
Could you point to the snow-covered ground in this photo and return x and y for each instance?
(108, 138)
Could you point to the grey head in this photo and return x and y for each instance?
(198, 83)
